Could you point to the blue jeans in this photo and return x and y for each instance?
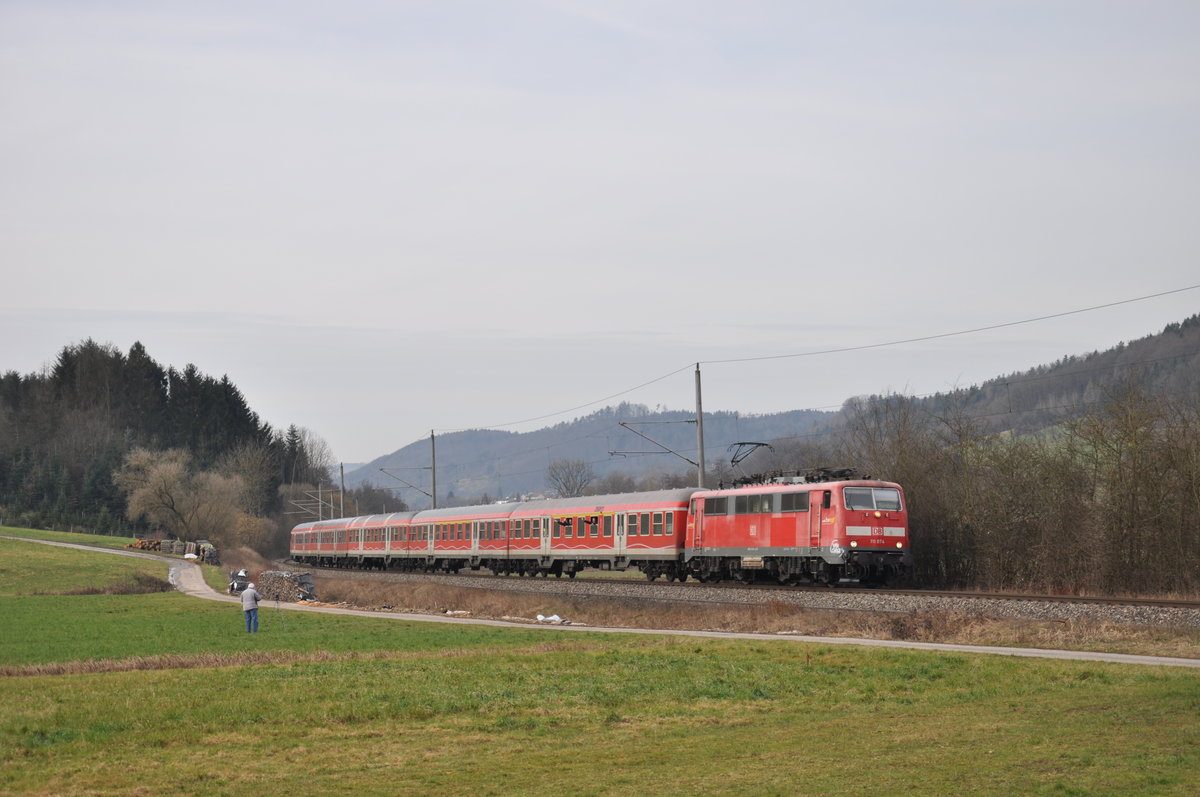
(251, 621)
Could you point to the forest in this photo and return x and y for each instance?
(111, 442)
(1082, 477)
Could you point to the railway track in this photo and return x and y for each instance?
(733, 593)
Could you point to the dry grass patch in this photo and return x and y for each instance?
(134, 584)
(772, 617)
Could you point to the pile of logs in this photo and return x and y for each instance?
(145, 545)
(280, 585)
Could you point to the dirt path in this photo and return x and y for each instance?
(188, 578)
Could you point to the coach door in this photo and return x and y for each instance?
(818, 509)
(544, 524)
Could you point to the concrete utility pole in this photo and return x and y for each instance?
(433, 467)
(699, 430)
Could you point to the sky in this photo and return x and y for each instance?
(382, 219)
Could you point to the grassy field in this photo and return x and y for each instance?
(107, 690)
(94, 540)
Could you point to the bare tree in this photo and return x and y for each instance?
(162, 488)
(569, 478)
(615, 483)
(320, 455)
(258, 468)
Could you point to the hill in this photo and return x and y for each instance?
(1165, 364)
(496, 464)
(487, 464)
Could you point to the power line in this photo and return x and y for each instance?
(947, 334)
(830, 351)
(574, 409)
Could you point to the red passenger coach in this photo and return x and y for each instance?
(370, 541)
(609, 532)
(794, 531)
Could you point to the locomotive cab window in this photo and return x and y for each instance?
(885, 499)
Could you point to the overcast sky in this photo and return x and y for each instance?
(382, 218)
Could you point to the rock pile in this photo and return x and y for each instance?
(282, 585)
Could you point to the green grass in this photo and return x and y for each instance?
(332, 704)
(30, 568)
(94, 540)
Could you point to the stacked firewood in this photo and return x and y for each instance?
(145, 545)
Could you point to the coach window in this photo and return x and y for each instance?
(608, 525)
(595, 525)
(645, 524)
(793, 502)
(631, 526)
(670, 524)
(568, 527)
(658, 524)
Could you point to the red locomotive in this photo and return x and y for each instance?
(792, 530)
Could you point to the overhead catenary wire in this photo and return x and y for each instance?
(822, 352)
(840, 350)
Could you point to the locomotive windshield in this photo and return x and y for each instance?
(882, 498)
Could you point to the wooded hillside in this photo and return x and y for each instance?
(100, 427)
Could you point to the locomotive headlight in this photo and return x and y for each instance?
(899, 545)
(878, 513)
(853, 543)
